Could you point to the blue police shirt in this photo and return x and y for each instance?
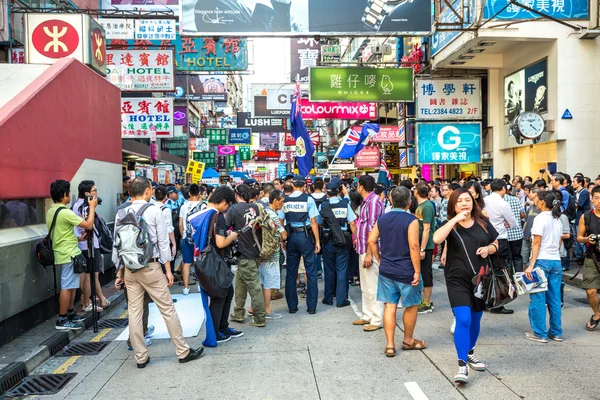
(312, 210)
(172, 205)
(350, 216)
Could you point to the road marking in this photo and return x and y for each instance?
(63, 368)
(415, 391)
(124, 315)
(100, 335)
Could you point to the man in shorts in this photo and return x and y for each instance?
(399, 269)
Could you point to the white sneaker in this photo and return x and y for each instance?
(475, 363)
(186, 291)
(463, 373)
(400, 304)
(453, 327)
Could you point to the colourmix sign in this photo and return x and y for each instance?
(449, 143)
(141, 70)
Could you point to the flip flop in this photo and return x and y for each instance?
(416, 345)
(389, 353)
(593, 324)
(106, 305)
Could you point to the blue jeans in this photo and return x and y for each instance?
(336, 273)
(300, 246)
(537, 306)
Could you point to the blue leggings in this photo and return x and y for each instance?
(466, 332)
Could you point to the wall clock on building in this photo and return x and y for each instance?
(528, 126)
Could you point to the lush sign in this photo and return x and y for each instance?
(449, 143)
(361, 84)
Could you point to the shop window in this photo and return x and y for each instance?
(21, 212)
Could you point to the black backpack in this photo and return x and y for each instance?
(105, 236)
(571, 211)
(43, 250)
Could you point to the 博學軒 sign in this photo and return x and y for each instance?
(361, 84)
(141, 70)
(449, 98)
(449, 143)
(140, 117)
(240, 136)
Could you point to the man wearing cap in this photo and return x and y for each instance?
(300, 213)
(336, 210)
(180, 197)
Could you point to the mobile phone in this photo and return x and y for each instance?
(121, 285)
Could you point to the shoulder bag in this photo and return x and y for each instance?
(43, 250)
(213, 273)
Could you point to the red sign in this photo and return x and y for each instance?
(268, 156)
(98, 47)
(287, 157)
(346, 110)
(55, 38)
(290, 141)
(368, 157)
(387, 134)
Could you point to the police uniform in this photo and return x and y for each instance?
(335, 258)
(319, 199)
(298, 209)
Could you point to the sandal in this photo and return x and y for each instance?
(416, 345)
(593, 324)
(106, 305)
(390, 352)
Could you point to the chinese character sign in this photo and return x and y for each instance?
(449, 143)
(361, 84)
(240, 136)
(245, 153)
(559, 9)
(269, 138)
(209, 158)
(448, 98)
(388, 134)
(117, 28)
(17, 56)
(216, 135)
(141, 116)
(141, 70)
(155, 29)
(368, 157)
(305, 54)
(287, 157)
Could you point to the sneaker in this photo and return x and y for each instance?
(257, 325)
(186, 291)
(534, 337)
(149, 332)
(320, 277)
(67, 325)
(234, 333)
(453, 326)
(76, 318)
(463, 372)
(400, 304)
(555, 338)
(223, 337)
(273, 315)
(425, 308)
(147, 340)
(475, 363)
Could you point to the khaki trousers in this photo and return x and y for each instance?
(369, 279)
(151, 280)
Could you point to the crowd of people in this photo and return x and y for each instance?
(384, 238)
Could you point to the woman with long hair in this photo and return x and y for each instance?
(546, 233)
(470, 238)
(477, 192)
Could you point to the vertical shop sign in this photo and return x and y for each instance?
(305, 54)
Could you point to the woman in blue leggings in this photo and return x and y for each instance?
(470, 238)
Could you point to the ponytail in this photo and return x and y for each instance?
(551, 202)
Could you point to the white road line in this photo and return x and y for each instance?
(415, 391)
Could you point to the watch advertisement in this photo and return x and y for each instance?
(526, 90)
(304, 17)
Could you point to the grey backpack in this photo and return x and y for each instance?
(131, 239)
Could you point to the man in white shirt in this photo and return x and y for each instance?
(187, 243)
(502, 218)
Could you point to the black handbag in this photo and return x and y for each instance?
(43, 250)
(80, 264)
(498, 289)
(214, 274)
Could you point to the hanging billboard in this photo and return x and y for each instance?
(141, 70)
(526, 90)
(142, 118)
(303, 17)
(200, 87)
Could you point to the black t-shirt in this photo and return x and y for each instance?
(238, 216)
(458, 270)
(592, 223)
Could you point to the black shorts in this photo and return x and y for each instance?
(427, 269)
(97, 260)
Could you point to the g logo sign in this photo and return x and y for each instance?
(451, 142)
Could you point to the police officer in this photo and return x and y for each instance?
(300, 213)
(336, 210)
(319, 197)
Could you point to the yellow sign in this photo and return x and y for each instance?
(196, 168)
(191, 166)
(468, 168)
(196, 178)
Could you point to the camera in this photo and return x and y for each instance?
(90, 198)
(594, 238)
(542, 170)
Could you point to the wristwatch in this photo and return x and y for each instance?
(377, 10)
(422, 250)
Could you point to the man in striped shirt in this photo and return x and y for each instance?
(370, 211)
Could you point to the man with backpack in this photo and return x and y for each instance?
(187, 242)
(319, 197)
(161, 198)
(141, 245)
(337, 216)
(60, 222)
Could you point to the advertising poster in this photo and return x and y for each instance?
(559, 9)
(321, 160)
(449, 143)
(304, 55)
(526, 90)
(141, 5)
(140, 117)
(200, 87)
(368, 157)
(303, 17)
(141, 70)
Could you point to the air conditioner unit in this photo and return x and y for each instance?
(383, 50)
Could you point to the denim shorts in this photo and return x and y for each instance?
(68, 278)
(390, 291)
(269, 275)
(187, 252)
